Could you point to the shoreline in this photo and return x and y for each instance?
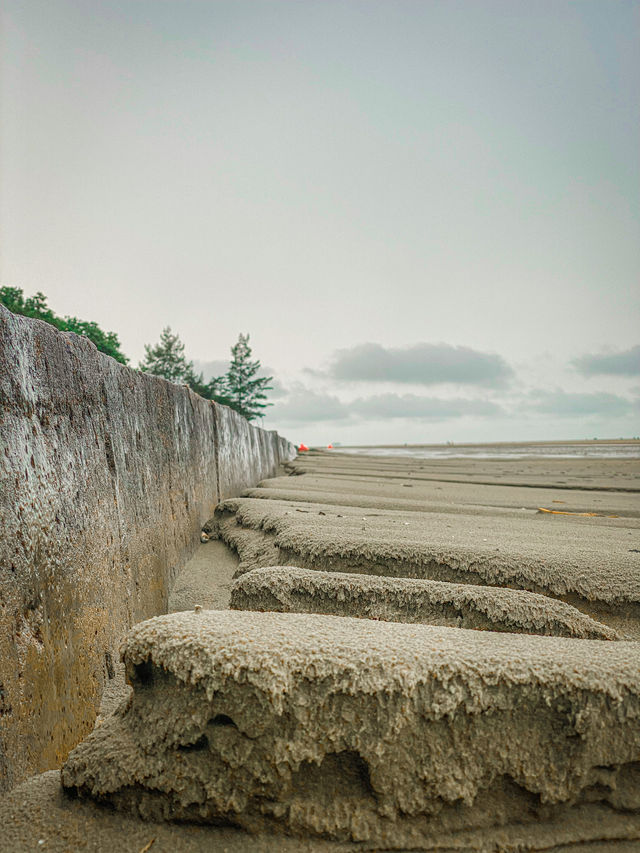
(589, 442)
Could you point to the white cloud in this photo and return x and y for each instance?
(566, 404)
(302, 405)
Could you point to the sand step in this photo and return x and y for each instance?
(406, 494)
(385, 733)
(289, 589)
(565, 474)
(589, 566)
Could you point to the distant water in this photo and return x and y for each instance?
(579, 450)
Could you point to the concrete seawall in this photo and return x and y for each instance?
(106, 477)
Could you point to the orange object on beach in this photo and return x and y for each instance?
(329, 446)
(584, 514)
(302, 448)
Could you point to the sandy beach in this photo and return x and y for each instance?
(524, 551)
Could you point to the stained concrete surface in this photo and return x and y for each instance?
(106, 476)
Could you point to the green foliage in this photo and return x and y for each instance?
(36, 306)
(167, 359)
(242, 386)
(239, 388)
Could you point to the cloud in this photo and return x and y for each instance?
(566, 404)
(277, 390)
(624, 363)
(383, 406)
(209, 369)
(423, 363)
(305, 406)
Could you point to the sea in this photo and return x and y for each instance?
(612, 449)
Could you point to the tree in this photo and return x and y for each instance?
(239, 388)
(167, 359)
(242, 386)
(36, 306)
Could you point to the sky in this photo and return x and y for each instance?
(425, 213)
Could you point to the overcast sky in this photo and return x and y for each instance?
(425, 213)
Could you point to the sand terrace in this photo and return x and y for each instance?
(442, 665)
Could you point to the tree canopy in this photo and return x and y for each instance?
(167, 358)
(239, 388)
(36, 306)
(242, 385)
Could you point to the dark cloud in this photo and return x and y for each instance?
(624, 363)
(424, 364)
(382, 406)
(305, 406)
(565, 404)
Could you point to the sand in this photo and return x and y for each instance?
(377, 732)
(206, 579)
(289, 589)
(438, 521)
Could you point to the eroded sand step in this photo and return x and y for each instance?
(621, 518)
(387, 734)
(591, 566)
(409, 494)
(288, 589)
(566, 474)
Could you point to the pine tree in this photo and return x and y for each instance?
(167, 359)
(239, 389)
(245, 390)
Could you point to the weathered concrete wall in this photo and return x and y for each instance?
(106, 476)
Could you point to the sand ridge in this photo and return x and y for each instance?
(339, 731)
(290, 589)
(363, 731)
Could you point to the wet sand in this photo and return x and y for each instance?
(395, 511)
(206, 580)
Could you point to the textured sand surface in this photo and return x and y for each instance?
(407, 493)
(288, 589)
(439, 520)
(206, 579)
(583, 561)
(543, 729)
(618, 475)
(40, 816)
(365, 731)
